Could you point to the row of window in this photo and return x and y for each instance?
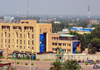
(62, 44)
(17, 35)
(17, 27)
(17, 41)
(17, 47)
(63, 50)
(45, 29)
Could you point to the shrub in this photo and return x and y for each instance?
(26, 64)
(86, 63)
(32, 64)
(21, 63)
(90, 63)
(95, 63)
(17, 62)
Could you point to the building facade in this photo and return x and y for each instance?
(69, 43)
(26, 36)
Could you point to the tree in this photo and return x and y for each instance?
(71, 65)
(81, 38)
(56, 66)
(95, 45)
(96, 31)
(88, 38)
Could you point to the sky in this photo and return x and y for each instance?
(50, 7)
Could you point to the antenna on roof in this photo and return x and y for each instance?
(17, 14)
(27, 10)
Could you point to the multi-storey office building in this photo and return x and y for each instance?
(26, 36)
(30, 36)
(69, 43)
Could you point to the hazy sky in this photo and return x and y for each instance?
(50, 7)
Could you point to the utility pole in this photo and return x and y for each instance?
(17, 14)
(27, 10)
(7, 53)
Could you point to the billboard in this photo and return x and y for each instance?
(76, 47)
(41, 43)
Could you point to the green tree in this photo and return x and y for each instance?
(81, 38)
(96, 31)
(95, 45)
(56, 66)
(71, 65)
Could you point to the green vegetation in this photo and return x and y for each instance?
(9, 67)
(1, 57)
(17, 62)
(67, 65)
(26, 63)
(95, 63)
(32, 64)
(92, 40)
(86, 63)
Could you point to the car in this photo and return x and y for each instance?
(96, 66)
(90, 61)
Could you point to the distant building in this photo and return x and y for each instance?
(57, 22)
(94, 22)
(81, 29)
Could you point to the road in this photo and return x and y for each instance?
(42, 65)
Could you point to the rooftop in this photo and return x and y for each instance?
(68, 35)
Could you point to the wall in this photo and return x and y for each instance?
(69, 56)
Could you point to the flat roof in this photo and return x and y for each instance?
(68, 35)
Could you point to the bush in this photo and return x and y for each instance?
(86, 63)
(32, 64)
(17, 62)
(95, 63)
(90, 63)
(26, 64)
(1, 57)
(21, 63)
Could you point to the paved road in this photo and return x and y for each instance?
(43, 65)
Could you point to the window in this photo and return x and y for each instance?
(32, 29)
(32, 48)
(13, 41)
(9, 41)
(5, 34)
(52, 43)
(28, 47)
(24, 47)
(17, 35)
(24, 41)
(32, 36)
(28, 42)
(64, 44)
(28, 35)
(20, 41)
(52, 38)
(20, 47)
(9, 34)
(9, 46)
(32, 42)
(16, 46)
(68, 50)
(20, 35)
(17, 41)
(5, 45)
